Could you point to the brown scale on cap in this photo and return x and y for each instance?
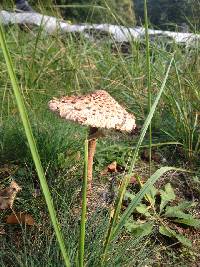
(97, 110)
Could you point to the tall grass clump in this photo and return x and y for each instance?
(183, 100)
(148, 77)
(32, 145)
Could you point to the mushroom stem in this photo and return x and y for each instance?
(91, 151)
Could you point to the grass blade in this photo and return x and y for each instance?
(32, 145)
(148, 77)
(84, 206)
(149, 118)
(127, 178)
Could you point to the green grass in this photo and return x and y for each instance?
(84, 208)
(48, 66)
(33, 146)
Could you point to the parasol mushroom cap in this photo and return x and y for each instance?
(98, 109)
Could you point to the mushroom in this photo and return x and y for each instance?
(97, 110)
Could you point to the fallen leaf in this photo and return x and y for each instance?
(112, 167)
(20, 218)
(8, 194)
(135, 181)
(2, 231)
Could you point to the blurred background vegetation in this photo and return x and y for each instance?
(181, 15)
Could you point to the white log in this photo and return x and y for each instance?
(118, 33)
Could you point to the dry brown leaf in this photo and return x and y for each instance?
(20, 218)
(110, 168)
(135, 180)
(8, 194)
(2, 231)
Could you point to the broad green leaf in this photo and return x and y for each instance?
(186, 205)
(139, 229)
(153, 192)
(164, 230)
(166, 195)
(137, 199)
(143, 209)
(129, 195)
(190, 222)
(175, 212)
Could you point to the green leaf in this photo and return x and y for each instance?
(175, 212)
(190, 222)
(186, 205)
(164, 230)
(139, 229)
(166, 195)
(129, 195)
(143, 209)
(137, 199)
(153, 192)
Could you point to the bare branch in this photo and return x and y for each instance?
(92, 31)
